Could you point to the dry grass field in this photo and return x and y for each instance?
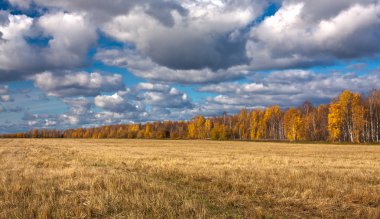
(61, 178)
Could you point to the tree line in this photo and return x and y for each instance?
(350, 117)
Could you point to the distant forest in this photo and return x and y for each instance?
(350, 118)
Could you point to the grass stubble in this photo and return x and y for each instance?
(78, 178)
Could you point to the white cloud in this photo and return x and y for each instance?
(142, 97)
(15, 53)
(5, 98)
(72, 35)
(207, 37)
(144, 67)
(23, 4)
(79, 112)
(77, 84)
(289, 88)
(68, 38)
(4, 94)
(3, 89)
(292, 38)
(114, 103)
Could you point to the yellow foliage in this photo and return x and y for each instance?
(292, 124)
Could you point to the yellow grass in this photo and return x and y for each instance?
(186, 179)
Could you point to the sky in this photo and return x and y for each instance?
(84, 63)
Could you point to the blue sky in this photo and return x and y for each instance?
(67, 64)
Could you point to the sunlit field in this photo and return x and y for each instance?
(64, 178)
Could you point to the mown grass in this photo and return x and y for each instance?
(65, 178)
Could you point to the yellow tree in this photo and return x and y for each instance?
(346, 117)
(257, 124)
(345, 100)
(358, 120)
(292, 124)
(191, 130)
(208, 126)
(35, 133)
(272, 122)
(321, 122)
(243, 124)
(335, 121)
(216, 132)
(148, 131)
(87, 134)
(200, 127)
(373, 116)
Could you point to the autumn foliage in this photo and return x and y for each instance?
(348, 118)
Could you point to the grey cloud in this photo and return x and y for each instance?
(114, 103)
(16, 109)
(22, 4)
(191, 41)
(4, 94)
(152, 87)
(293, 37)
(176, 34)
(142, 97)
(37, 121)
(172, 99)
(69, 36)
(205, 38)
(4, 89)
(184, 51)
(292, 89)
(162, 11)
(144, 67)
(325, 9)
(29, 116)
(4, 20)
(79, 111)
(101, 11)
(78, 106)
(77, 84)
(6, 98)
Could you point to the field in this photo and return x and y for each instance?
(61, 178)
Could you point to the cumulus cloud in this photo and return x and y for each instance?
(114, 103)
(68, 38)
(191, 41)
(79, 111)
(23, 4)
(5, 98)
(15, 53)
(142, 97)
(4, 94)
(3, 89)
(36, 121)
(290, 88)
(72, 35)
(77, 83)
(142, 66)
(102, 11)
(189, 34)
(166, 97)
(299, 35)
(200, 41)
